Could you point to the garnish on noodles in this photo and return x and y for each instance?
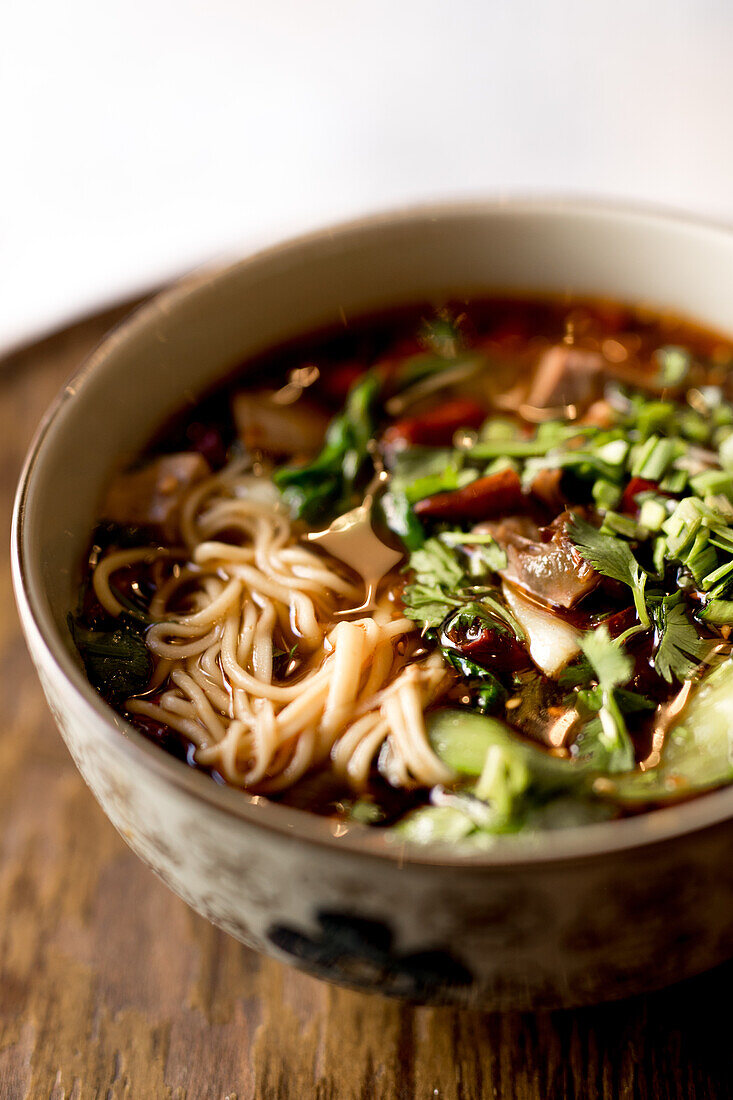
(454, 573)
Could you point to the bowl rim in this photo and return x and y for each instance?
(549, 848)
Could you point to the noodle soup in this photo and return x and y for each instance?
(454, 572)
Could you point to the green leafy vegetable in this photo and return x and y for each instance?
(327, 486)
(550, 436)
(434, 824)
(428, 604)
(117, 661)
(441, 585)
(400, 518)
(419, 472)
(680, 649)
(513, 776)
(590, 701)
(575, 675)
(613, 668)
(483, 606)
(609, 662)
(436, 564)
(486, 554)
(366, 812)
(697, 755)
(674, 364)
(487, 692)
(613, 558)
(718, 611)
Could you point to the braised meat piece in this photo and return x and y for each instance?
(543, 561)
(286, 431)
(547, 489)
(437, 427)
(567, 376)
(152, 495)
(484, 498)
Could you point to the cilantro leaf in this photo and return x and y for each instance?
(607, 554)
(438, 575)
(611, 665)
(441, 585)
(680, 649)
(613, 668)
(486, 554)
(612, 557)
(435, 564)
(428, 604)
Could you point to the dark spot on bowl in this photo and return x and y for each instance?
(361, 953)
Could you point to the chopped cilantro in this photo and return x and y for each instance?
(438, 576)
(681, 649)
(612, 557)
(613, 668)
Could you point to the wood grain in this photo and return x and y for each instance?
(111, 988)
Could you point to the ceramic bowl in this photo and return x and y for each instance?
(569, 917)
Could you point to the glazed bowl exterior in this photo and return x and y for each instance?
(564, 918)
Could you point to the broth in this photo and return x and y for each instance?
(454, 571)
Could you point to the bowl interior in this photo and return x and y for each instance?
(188, 337)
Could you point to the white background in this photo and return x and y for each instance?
(140, 138)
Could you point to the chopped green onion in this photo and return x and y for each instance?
(682, 525)
(654, 457)
(718, 611)
(605, 494)
(701, 557)
(615, 523)
(719, 578)
(674, 482)
(694, 427)
(652, 515)
(712, 482)
(674, 364)
(660, 555)
(725, 453)
(719, 511)
(498, 428)
(614, 452)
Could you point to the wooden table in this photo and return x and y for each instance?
(111, 987)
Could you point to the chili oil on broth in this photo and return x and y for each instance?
(242, 634)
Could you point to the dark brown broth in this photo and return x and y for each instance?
(519, 328)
